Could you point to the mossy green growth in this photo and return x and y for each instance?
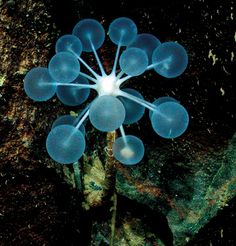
(94, 181)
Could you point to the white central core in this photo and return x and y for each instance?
(107, 85)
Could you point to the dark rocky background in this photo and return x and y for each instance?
(41, 203)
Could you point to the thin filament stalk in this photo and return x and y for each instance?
(116, 59)
(88, 77)
(122, 131)
(89, 68)
(121, 81)
(142, 102)
(82, 120)
(82, 86)
(98, 59)
(81, 115)
(138, 100)
(120, 74)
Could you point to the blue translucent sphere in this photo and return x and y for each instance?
(171, 59)
(133, 111)
(170, 120)
(71, 95)
(64, 67)
(122, 31)
(90, 32)
(65, 144)
(128, 150)
(68, 120)
(133, 61)
(107, 113)
(161, 100)
(39, 85)
(69, 43)
(147, 42)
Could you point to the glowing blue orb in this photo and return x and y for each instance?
(65, 144)
(91, 33)
(107, 113)
(69, 43)
(122, 31)
(133, 61)
(39, 85)
(171, 59)
(73, 96)
(170, 120)
(64, 67)
(128, 150)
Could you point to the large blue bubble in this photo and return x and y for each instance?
(69, 43)
(89, 32)
(128, 150)
(64, 67)
(122, 31)
(133, 61)
(170, 120)
(73, 96)
(39, 84)
(107, 113)
(171, 59)
(65, 144)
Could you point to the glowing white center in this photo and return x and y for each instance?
(107, 85)
(127, 152)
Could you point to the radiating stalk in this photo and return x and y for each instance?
(116, 60)
(138, 100)
(82, 120)
(89, 68)
(98, 59)
(82, 86)
(121, 81)
(120, 74)
(88, 77)
(122, 131)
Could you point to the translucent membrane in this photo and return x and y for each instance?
(133, 110)
(65, 144)
(133, 61)
(146, 42)
(64, 67)
(170, 59)
(39, 85)
(170, 120)
(128, 150)
(122, 31)
(69, 43)
(90, 32)
(68, 120)
(107, 113)
(73, 96)
(161, 100)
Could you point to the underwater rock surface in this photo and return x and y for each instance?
(190, 199)
(178, 187)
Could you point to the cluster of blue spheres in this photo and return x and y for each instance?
(114, 105)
